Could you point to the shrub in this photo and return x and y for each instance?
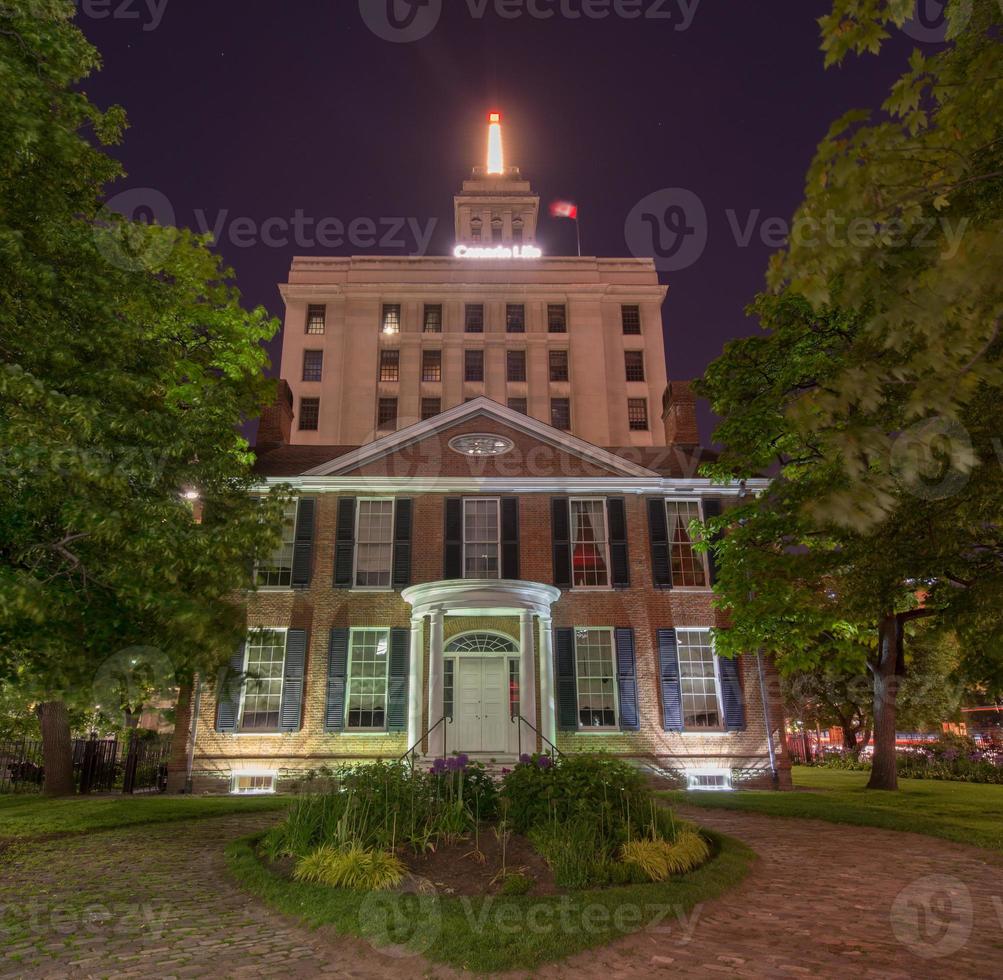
(658, 859)
(575, 852)
(352, 867)
(516, 884)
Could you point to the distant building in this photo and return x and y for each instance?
(491, 549)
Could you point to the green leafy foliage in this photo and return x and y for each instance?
(352, 867)
(658, 859)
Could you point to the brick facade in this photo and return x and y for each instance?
(321, 606)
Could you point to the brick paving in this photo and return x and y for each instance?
(822, 900)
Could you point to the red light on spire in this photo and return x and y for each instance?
(494, 117)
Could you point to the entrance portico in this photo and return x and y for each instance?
(480, 677)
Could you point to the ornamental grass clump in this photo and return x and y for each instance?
(658, 859)
(352, 867)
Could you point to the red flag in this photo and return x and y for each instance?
(564, 209)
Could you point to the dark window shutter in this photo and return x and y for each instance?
(337, 669)
(402, 542)
(400, 642)
(291, 707)
(616, 510)
(668, 668)
(303, 546)
(452, 555)
(731, 694)
(658, 531)
(344, 546)
(711, 508)
(510, 537)
(230, 683)
(567, 691)
(560, 529)
(626, 678)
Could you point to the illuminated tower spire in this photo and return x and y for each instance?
(496, 156)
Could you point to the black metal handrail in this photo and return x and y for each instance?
(409, 755)
(554, 750)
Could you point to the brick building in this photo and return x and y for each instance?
(489, 561)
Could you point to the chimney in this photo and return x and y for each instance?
(679, 413)
(276, 422)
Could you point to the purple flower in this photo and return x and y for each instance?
(505, 770)
(463, 759)
(525, 758)
(439, 766)
(544, 762)
(950, 755)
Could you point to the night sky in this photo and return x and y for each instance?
(257, 109)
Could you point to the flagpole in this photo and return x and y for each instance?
(578, 233)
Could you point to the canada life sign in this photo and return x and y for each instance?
(498, 252)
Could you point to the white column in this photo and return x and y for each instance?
(415, 679)
(527, 680)
(435, 683)
(548, 710)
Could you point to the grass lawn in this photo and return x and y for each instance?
(488, 934)
(25, 817)
(970, 813)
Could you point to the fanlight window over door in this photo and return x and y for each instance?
(481, 643)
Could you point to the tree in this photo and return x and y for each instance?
(127, 367)
(901, 218)
(812, 590)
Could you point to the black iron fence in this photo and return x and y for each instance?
(136, 764)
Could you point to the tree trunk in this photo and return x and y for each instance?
(57, 748)
(886, 671)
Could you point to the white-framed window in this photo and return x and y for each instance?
(689, 569)
(374, 543)
(261, 697)
(276, 572)
(481, 537)
(699, 682)
(252, 783)
(709, 779)
(595, 676)
(589, 543)
(368, 667)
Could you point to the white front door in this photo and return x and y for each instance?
(482, 704)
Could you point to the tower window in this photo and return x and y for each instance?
(559, 365)
(433, 318)
(309, 414)
(430, 407)
(390, 365)
(557, 318)
(630, 317)
(386, 413)
(517, 230)
(515, 318)
(475, 229)
(634, 364)
(473, 365)
(431, 365)
(313, 365)
(391, 318)
(496, 230)
(474, 318)
(518, 405)
(516, 363)
(560, 413)
(316, 319)
(637, 414)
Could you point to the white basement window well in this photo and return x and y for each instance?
(712, 780)
(252, 783)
